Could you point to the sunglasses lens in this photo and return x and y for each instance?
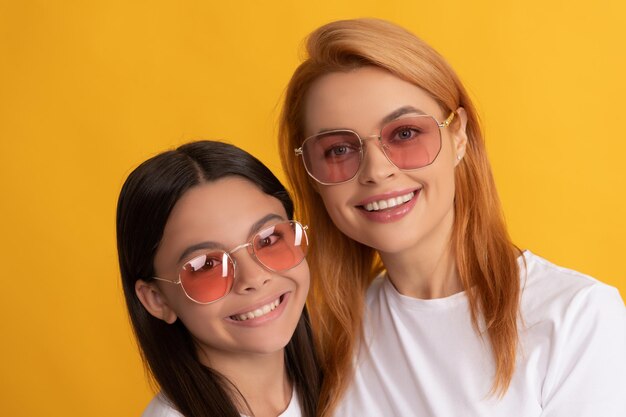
(332, 157)
(412, 142)
(282, 246)
(207, 278)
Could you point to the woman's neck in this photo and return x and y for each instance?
(261, 379)
(427, 270)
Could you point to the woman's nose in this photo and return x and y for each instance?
(376, 167)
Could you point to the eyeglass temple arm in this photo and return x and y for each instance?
(446, 122)
(167, 280)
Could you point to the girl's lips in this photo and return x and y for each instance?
(237, 319)
(259, 304)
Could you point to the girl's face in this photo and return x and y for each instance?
(223, 215)
(364, 100)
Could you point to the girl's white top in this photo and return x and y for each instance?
(424, 358)
(161, 407)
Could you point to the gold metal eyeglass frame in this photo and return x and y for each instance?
(226, 256)
(299, 151)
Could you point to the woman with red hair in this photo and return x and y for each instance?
(421, 303)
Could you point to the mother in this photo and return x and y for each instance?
(385, 154)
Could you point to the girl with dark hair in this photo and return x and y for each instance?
(421, 304)
(215, 282)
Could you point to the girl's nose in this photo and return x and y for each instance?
(249, 274)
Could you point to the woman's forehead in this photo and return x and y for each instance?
(363, 98)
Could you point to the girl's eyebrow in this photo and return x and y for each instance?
(215, 245)
(261, 222)
(202, 245)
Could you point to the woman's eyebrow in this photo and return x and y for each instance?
(400, 112)
(391, 116)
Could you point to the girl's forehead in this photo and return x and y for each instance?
(221, 211)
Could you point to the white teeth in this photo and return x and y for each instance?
(391, 202)
(261, 311)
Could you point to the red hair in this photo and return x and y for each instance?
(342, 268)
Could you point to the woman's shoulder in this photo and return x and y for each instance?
(578, 324)
(548, 288)
(160, 407)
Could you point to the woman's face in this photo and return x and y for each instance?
(364, 100)
(223, 215)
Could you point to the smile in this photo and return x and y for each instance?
(389, 203)
(259, 312)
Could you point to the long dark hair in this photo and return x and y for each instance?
(168, 351)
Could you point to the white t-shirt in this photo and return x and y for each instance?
(161, 407)
(423, 357)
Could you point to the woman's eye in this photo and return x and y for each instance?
(337, 145)
(405, 134)
(339, 151)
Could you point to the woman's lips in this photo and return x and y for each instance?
(389, 202)
(389, 208)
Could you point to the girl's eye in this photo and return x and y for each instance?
(203, 263)
(210, 263)
(268, 240)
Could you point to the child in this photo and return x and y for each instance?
(215, 282)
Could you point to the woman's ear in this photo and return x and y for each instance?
(153, 300)
(459, 134)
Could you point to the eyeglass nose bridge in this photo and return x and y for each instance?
(380, 141)
(383, 148)
(235, 249)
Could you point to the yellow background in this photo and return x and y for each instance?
(89, 89)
